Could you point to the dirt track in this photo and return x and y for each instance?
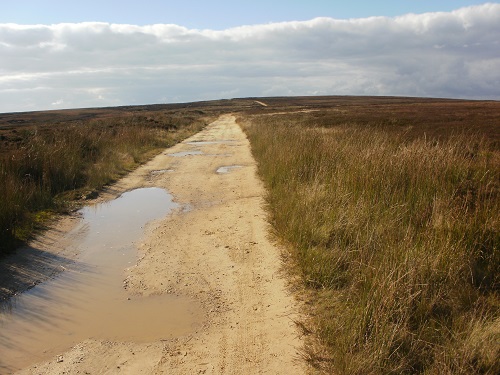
(216, 249)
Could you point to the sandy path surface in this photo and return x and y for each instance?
(214, 249)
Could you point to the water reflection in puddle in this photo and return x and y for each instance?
(227, 169)
(89, 301)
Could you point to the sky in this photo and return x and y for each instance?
(61, 54)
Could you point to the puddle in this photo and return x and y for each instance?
(88, 300)
(227, 169)
(186, 153)
(221, 142)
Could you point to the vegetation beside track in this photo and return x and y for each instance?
(392, 215)
(46, 167)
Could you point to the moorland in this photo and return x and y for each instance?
(388, 209)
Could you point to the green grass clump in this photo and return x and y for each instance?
(49, 166)
(396, 235)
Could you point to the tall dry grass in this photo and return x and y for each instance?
(49, 167)
(396, 236)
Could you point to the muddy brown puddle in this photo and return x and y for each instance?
(88, 300)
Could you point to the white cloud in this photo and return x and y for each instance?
(453, 54)
(58, 102)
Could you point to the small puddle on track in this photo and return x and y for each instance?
(227, 169)
(88, 300)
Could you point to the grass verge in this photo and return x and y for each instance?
(45, 168)
(396, 235)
